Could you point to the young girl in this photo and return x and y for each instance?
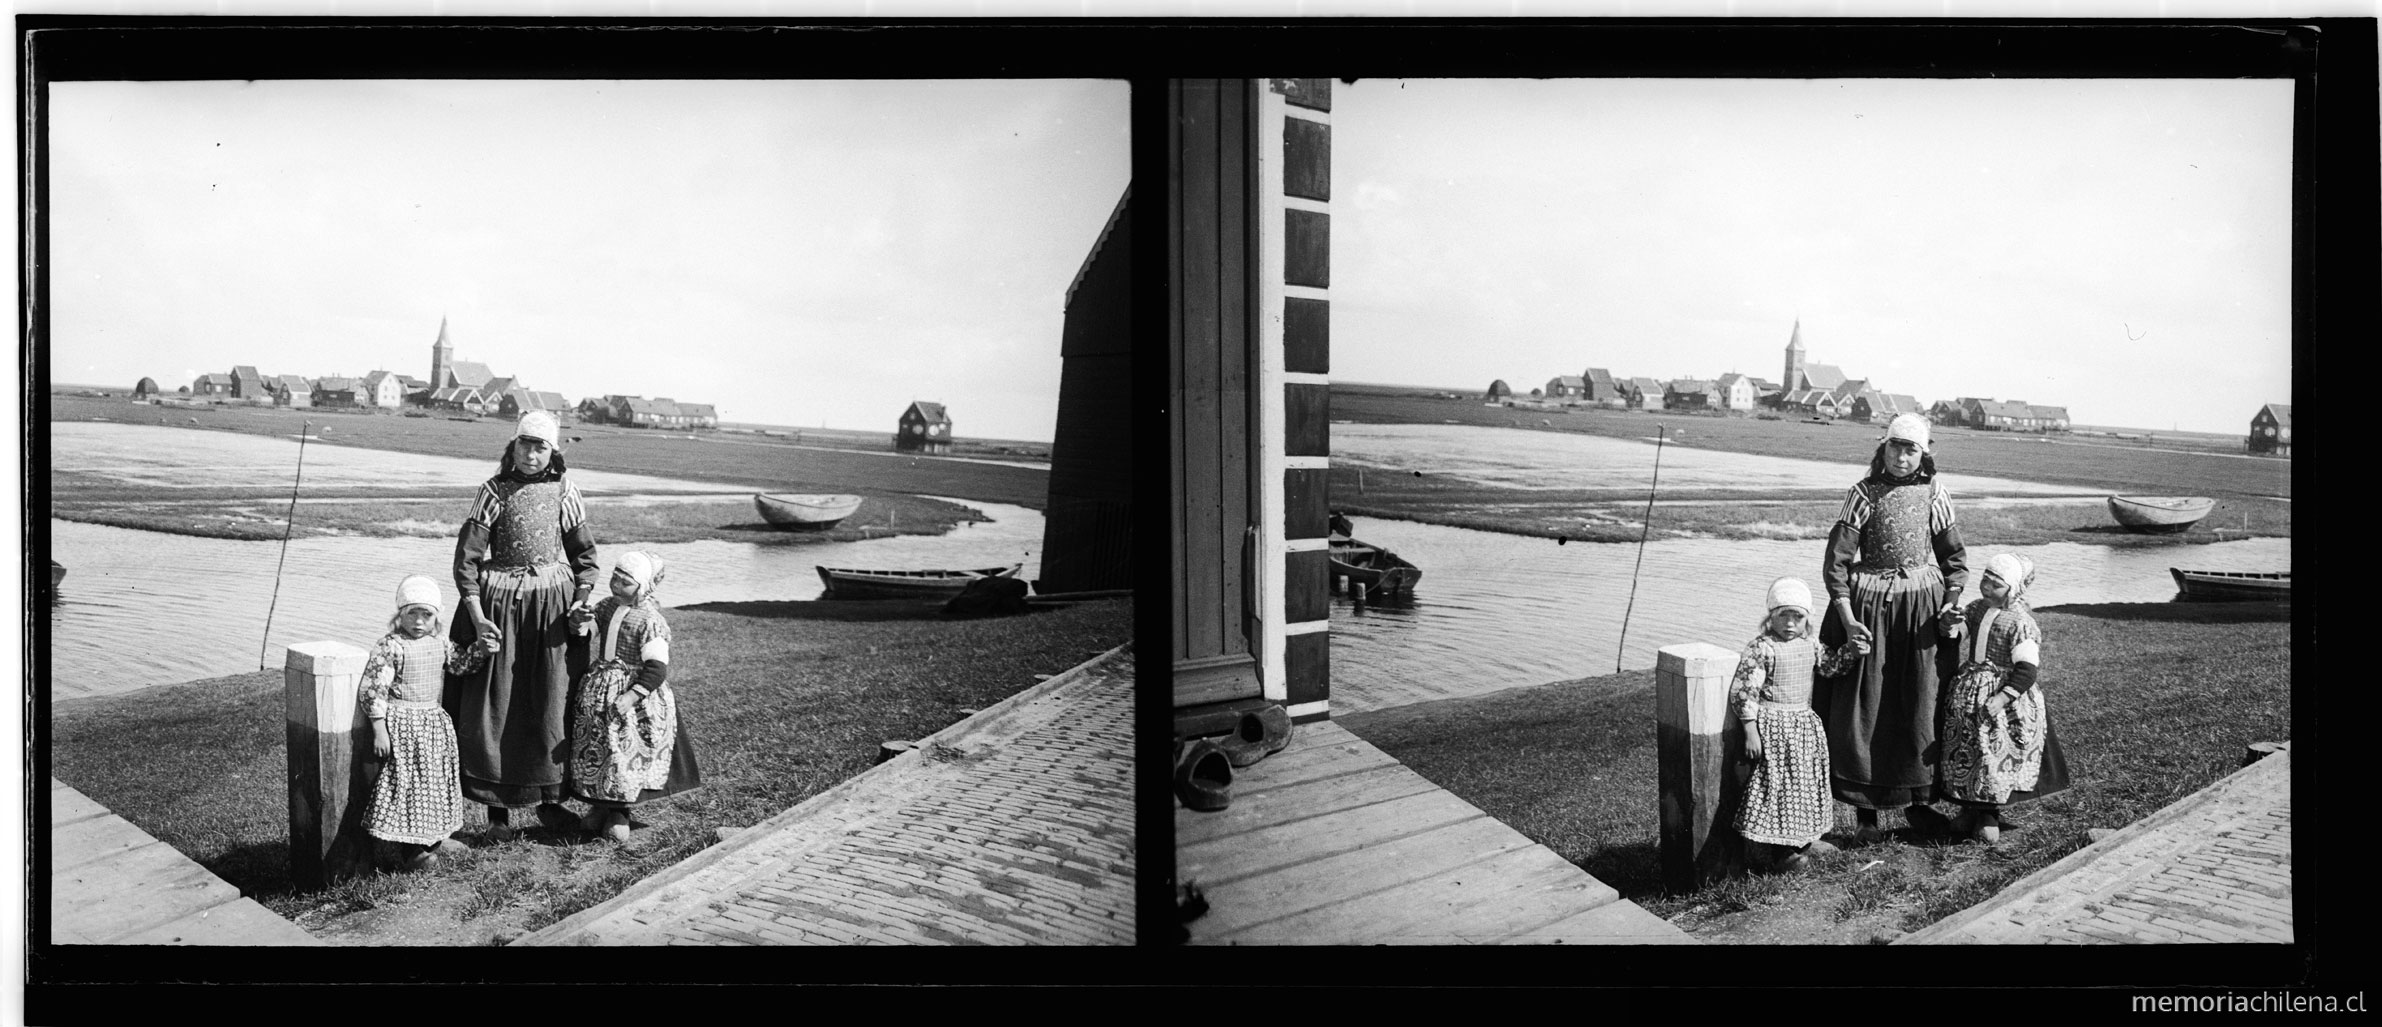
(627, 744)
(1998, 745)
(419, 798)
(1787, 803)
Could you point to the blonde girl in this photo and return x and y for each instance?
(1787, 801)
(418, 800)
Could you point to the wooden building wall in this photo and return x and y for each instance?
(1210, 341)
(1087, 528)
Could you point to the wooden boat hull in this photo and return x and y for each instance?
(57, 572)
(2159, 514)
(804, 512)
(849, 583)
(1381, 572)
(2231, 586)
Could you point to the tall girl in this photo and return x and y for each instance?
(524, 561)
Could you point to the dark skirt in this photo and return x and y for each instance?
(1881, 714)
(512, 716)
(685, 775)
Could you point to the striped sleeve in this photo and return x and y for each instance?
(1857, 505)
(1939, 509)
(486, 506)
(574, 513)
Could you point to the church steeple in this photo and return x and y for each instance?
(1794, 359)
(441, 356)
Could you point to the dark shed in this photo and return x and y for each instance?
(1087, 530)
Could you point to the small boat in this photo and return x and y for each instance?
(2231, 586)
(2159, 514)
(846, 583)
(803, 512)
(1381, 572)
(57, 572)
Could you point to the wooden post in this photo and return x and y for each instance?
(331, 769)
(1696, 747)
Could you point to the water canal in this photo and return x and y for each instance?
(1497, 611)
(141, 608)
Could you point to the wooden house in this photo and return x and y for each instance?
(1733, 391)
(1567, 387)
(700, 415)
(458, 398)
(1498, 392)
(924, 428)
(2004, 415)
(215, 384)
(1249, 411)
(291, 390)
(247, 384)
(517, 402)
(2050, 418)
(1946, 412)
(1687, 394)
(2270, 429)
(382, 389)
(1087, 525)
(1602, 388)
(145, 389)
(1822, 376)
(339, 392)
(1644, 394)
(469, 374)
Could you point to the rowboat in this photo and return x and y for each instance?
(2159, 514)
(804, 512)
(1378, 569)
(2232, 585)
(845, 583)
(57, 572)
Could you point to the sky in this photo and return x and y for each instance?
(796, 253)
(2117, 247)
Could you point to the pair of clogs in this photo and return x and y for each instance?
(1203, 766)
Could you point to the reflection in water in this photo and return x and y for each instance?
(1497, 611)
(150, 608)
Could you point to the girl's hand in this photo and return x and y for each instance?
(1860, 646)
(492, 641)
(1753, 744)
(1949, 623)
(2000, 701)
(626, 703)
(1853, 628)
(380, 741)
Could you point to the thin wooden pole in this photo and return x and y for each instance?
(288, 523)
(1660, 434)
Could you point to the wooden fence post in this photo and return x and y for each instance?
(331, 769)
(1696, 747)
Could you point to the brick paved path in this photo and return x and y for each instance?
(1013, 827)
(2214, 867)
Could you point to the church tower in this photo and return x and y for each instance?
(1794, 358)
(441, 355)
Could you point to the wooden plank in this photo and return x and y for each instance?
(1237, 336)
(68, 805)
(1307, 248)
(1287, 806)
(1307, 577)
(238, 922)
(1202, 357)
(1307, 420)
(1306, 502)
(1311, 93)
(1349, 876)
(89, 841)
(1614, 923)
(1465, 905)
(1278, 848)
(1177, 454)
(1307, 158)
(1306, 335)
(1309, 670)
(142, 888)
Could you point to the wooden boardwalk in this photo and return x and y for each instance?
(113, 884)
(1332, 842)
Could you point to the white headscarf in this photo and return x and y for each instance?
(538, 424)
(1909, 427)
(419, 590)
(2016, 571)
(1790, 592)
(643, 568)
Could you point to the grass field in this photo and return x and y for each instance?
(2252, 493)
(2151, 703)
(891, 485)
(783, 700)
